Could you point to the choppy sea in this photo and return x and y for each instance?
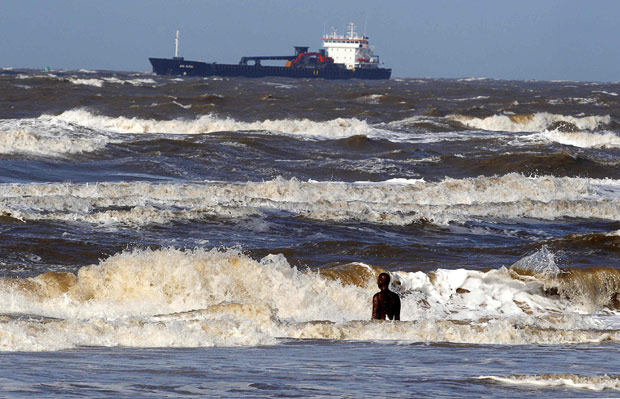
(216, 237)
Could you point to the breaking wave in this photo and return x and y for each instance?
(90, 81)
(42, 138)
(336, 128)
(86, 82)
(24, 142)
(596, 383)
(583, 139)
(395, 202)
(78, 131)
(190, 298)
(536, 122)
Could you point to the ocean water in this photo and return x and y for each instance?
(166, 237)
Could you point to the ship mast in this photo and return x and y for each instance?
(176, 46)
(351, 30)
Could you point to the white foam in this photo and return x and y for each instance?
(134, 299)
(581, 139)
(133, 82)
(397, 202)
(370, 98)
(473, 79)
(96, 82)
(471, 295)
(174, 298)
(466, 98)
(537, 122)
(335, 128)
(606, 93)
(594, 383)
(404, 181)
(577, 100)
(45, 138)
(86, 82)
(398, 131)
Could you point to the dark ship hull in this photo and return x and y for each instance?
(180, 67)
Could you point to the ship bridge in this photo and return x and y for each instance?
(352, 50)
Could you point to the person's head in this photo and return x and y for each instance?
(383, 281)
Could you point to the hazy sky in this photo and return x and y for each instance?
(519, 39)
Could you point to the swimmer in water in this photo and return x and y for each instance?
(385, 303)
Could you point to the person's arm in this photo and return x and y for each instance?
(375, 307)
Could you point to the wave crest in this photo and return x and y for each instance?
(595, 383)
(583, 139)
(510, 196)
(48, 144)
(175, 298)
(536, 122)
(336, 128)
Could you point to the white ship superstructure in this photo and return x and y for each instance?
(351, 49)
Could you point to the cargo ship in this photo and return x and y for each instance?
(348, 56)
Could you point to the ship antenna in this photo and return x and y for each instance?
(365, 23)
(176, 45)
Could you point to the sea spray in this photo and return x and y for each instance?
(221, 297)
